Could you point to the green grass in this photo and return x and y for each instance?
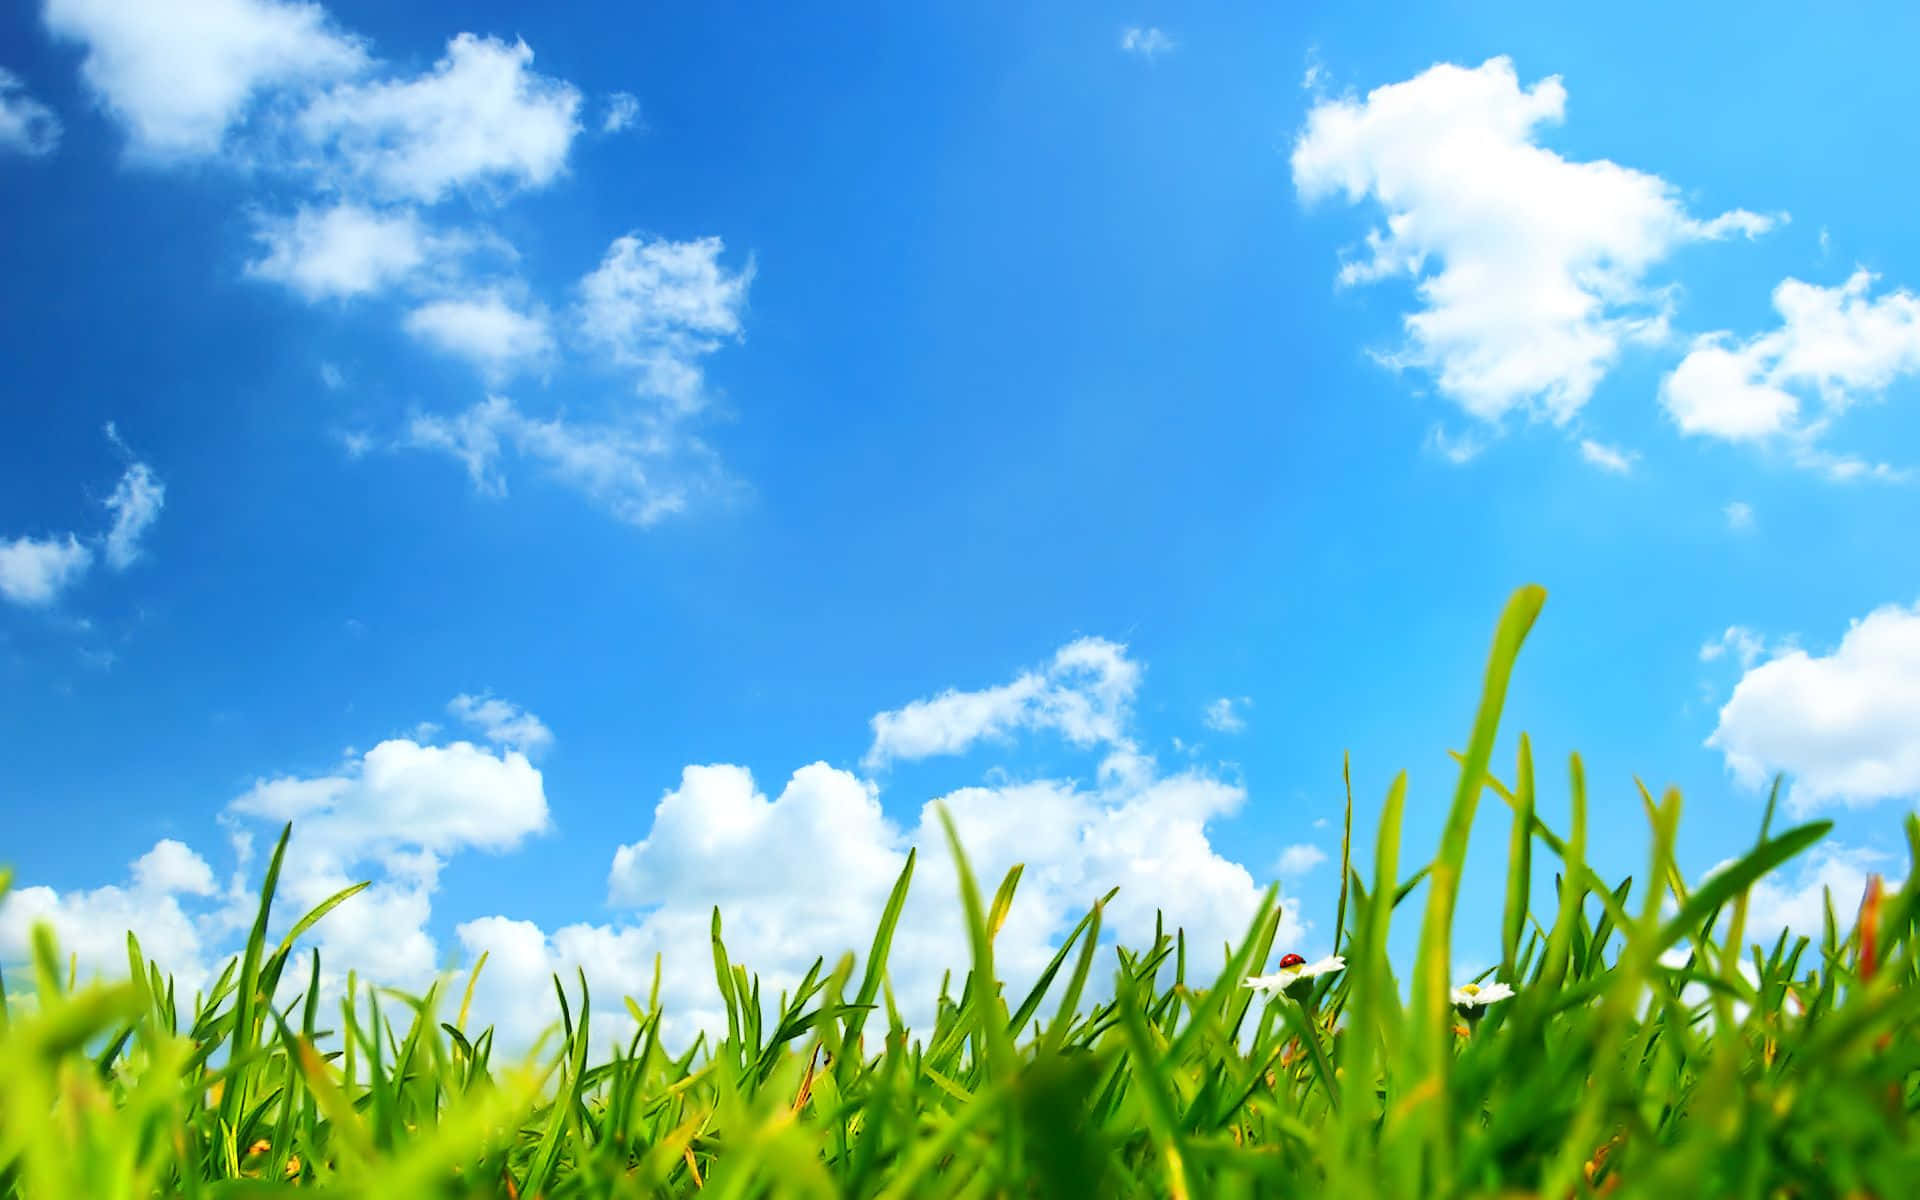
(1611, 1071)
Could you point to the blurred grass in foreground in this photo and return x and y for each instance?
(1647, 1050)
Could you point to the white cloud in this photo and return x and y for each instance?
(807, 872)
(404, 794)
(179, 74)
(1458, 449)
(1739, 515)
(136, 504)
(1315, 73)
(474, 437)
(35, 571)
(1530, 267)
(800, 874)
(654, 306)
(1228, 715)
(341, 251)
(392, 816)
(1746, 646)
(1835, 347)
(485, 329)
(1297, 860)
(661, 306)
(93, 925)
(172, 868)
(503, 723)
(1084, 695)
(26, 125)
(356, 158)
(623, 112)
(1845, 727)
(479, 116)
(1794, 898)
(1612, 459)
(717, 834)
(1148, 42)
(640, 476)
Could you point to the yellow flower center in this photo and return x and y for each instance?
(1471, 989)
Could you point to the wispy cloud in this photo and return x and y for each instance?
(503, 722)
(1297, 860)
(623, 112)
(135, 503)
(26, 125)
(1612, 459)
(37, 571)
(1745, 645)
(1084, 694)
(1145, 41)
(376, 182)
(1228, 714)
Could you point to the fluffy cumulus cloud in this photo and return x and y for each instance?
(1835, 347)
(341, 250)
(480, 116)
(1531, 268)
(36, 571)
(1084, 695)
(1843, 726)
(797, 873)
(405, 795)
(1795, 899)
(180, 75)
(485, 328)
(807, 872)
(93, 925)
(26, 125)
(393, 816)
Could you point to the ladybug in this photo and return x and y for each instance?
(1292, 960)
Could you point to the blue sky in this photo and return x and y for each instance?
(511, 411)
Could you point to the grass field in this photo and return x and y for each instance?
(1635, 1057)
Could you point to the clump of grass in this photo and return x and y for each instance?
(1647, 1049)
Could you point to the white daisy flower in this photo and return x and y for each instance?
(1293, 970)
(1473, 996)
